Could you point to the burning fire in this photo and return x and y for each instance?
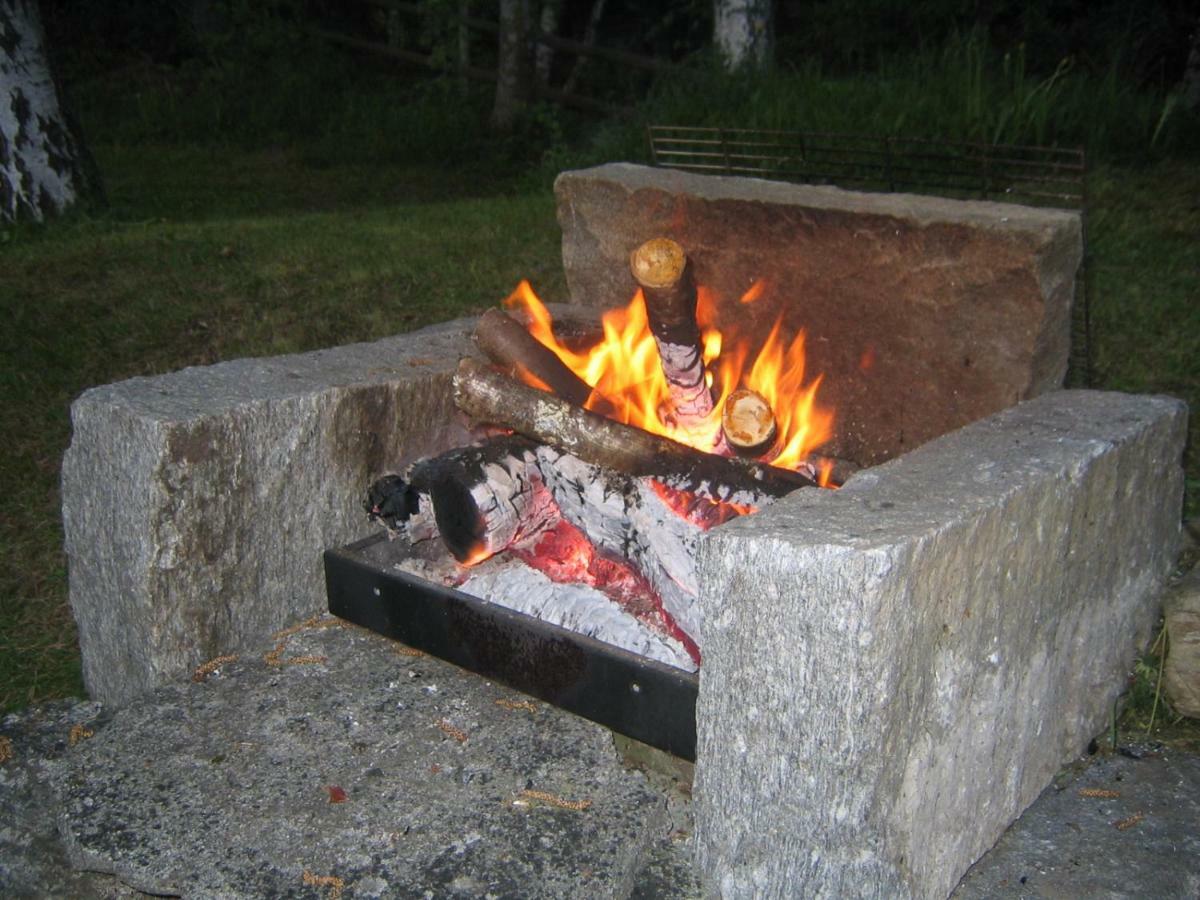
(624, 368)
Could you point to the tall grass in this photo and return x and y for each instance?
(338, 108)
(964, 91)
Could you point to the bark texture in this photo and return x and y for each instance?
(744, 32)
(489, 396)
(512, 71)
(42, 160)
(1189, 87)
(661, 270)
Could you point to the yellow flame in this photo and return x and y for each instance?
(624, 367)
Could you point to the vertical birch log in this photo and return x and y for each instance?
(512, 65)
(661, 269)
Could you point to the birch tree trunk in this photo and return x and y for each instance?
(512, 70)
(744, 32)
(1189, 87)
(589, 38)
(543, 55)
(43, 164)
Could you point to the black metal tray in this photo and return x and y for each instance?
(638, 697)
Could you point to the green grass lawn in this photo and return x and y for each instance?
(208, 255)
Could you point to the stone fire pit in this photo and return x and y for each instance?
(892, 671)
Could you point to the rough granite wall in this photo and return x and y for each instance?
(894, 671)
(196, 505)
(923, 314)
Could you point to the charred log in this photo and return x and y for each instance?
(483, 499)
(392, 501)
(489, 396)
(624, 515)
(508, 344)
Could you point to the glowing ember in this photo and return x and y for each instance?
(700, 511)
(624, 368)
(566, 556)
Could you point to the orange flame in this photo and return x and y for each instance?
(624, 368)
(755, 291)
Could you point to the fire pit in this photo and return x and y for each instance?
(873, 650)
(891, 671)
(680, 425)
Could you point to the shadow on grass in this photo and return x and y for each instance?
(195, 183)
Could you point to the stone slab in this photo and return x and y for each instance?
(1118, 825)
(895, 670)
(33, 862)
(1181, 675)
(196, 504)
(923, 314)
(401, 776)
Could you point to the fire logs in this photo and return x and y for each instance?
(489, 396)
(623, 515)
(661, 269)
(484, 499)
(748, 422)
(508, 344)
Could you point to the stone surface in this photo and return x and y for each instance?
(196, 505)
(1067, 844)
(923, 314)
(895, 670)
(1121, 825)
(33, 862)
(401, 776)
(1181, 675)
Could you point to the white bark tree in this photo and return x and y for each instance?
(1189, 87)
(744, 32)
(512, 76)
(43, 167)
(543, 54)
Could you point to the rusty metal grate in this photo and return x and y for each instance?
(1032, 176)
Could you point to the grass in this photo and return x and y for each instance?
(207, 256)
(210, 255)
(394, 210)
(1145, 262)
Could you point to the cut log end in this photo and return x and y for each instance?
(658, 263)
(748, 422)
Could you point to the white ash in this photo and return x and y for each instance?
(510, 583)
(624, 515)
(578, 607)
(421, 525)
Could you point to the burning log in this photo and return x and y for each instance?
(625, 516)
(661, 269)
(489, 396)
(748, 422)
(484, 499)
(502, 495)
(508, 344)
